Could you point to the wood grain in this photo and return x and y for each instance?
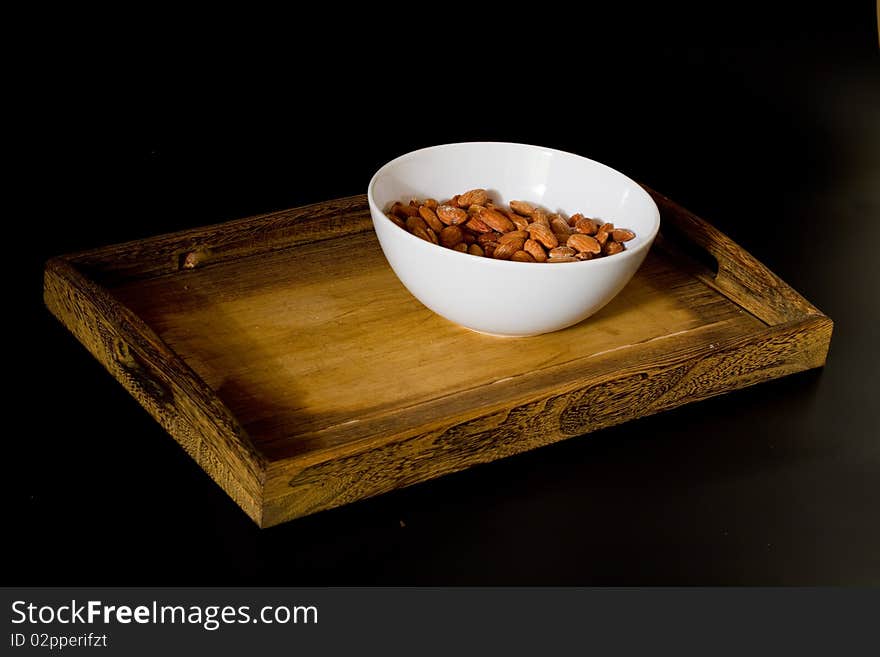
(301, 380)
(220, 243)
(305, 363)
(161, 383)
(646, 386)
(740, 277)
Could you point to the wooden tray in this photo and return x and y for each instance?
(286, 358)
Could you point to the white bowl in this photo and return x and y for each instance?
(502, 297)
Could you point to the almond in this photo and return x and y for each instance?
(573, 219)
(450, 215)
(496, 220)
(415, 222)
(622, 235)
(535, 250)
(522, 207)
(562, 251)
(541, 217)
(461, 247)
(522, 256)
(608, 228)
(505, 250)
(541, 233)
(397, 220)
(467, 236)
(473, 197)
(586, 226)
(521, 223)
(487, 237)
(601, 236)
(450, 236)
(562, 259)
(431, 203)
(404, 211)
(422, 233)
(474, 249)
(477, 226)
(611, 247)
(584, 255)
(582, 243)
(430, 218)
(559, 225)
(514, 235)
(432, 235)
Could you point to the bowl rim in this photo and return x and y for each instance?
(375, 210)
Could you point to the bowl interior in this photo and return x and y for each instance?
(559, 181)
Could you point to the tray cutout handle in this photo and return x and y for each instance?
(734, 273)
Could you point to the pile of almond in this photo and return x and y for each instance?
(471, 223)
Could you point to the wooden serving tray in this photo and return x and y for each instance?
(286, 358)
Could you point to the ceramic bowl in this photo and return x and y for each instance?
(502, 297)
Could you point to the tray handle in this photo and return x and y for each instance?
(727, 267)
(163, 384)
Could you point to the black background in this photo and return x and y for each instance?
(767, 124)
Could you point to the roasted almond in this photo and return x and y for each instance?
(473, 197)
(612, 248)
(475, 249)
(496, 220)
(601, 236)
(461, 247)
(541, 233)
(489, 236)
(607, 227)
(521, 223)
(431, 203)
(561, 252)
(585, 255)
(422, 233)
(430, 218)
(432, 235)
(505, 250)
(572, 220)
(581, 242)
(450, 215)
(397, 220)
(541, 217)
(467, 236)
(450, 236)
(522, 256)
(622, 235)
(559, 225)
(535, 250)
(415, 222)
(477, 226)
(562, 259)
(522, 207)
(586, 226)
(514, 235)
(404, 211)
